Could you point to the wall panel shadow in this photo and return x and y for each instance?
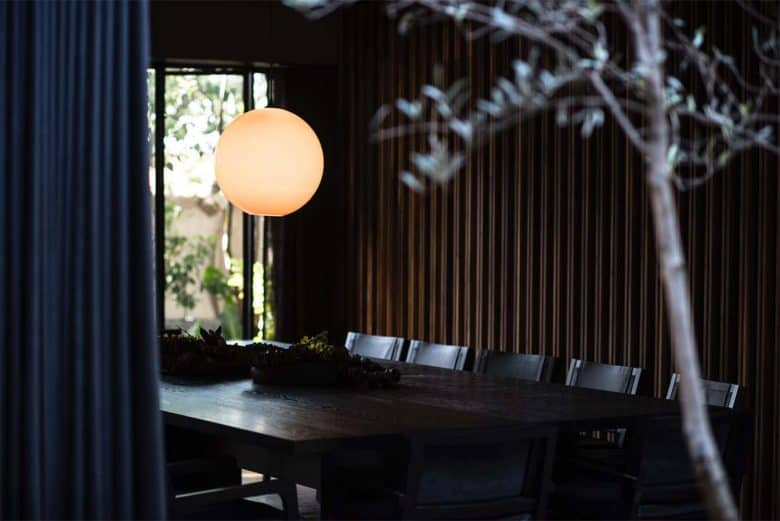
(544, 244)
(308, 245)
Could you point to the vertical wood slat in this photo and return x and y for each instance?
(544, 242)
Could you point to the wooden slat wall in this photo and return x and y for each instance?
(543, 244)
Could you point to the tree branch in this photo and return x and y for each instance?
(617, 112)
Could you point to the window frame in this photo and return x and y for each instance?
(249, 231)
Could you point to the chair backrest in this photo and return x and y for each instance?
(604, 377)
(478, 474)
(437, 355)
(720, 394)
(658, 457)
(536, 368)
(374, 346)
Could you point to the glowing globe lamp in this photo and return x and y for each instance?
(269, 162)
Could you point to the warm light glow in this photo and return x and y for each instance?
(269, 162)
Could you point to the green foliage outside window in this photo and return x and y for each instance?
(184, 260)
(204, 271)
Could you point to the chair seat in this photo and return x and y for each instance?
(589, 498)
(591, 488)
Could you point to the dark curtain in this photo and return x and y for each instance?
(80, 430)
(308, 245)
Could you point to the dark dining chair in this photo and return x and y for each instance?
(470, 474)
(535, 368)
(437, 355)
(654, 465)
(374, 346)
(655, 479)
(603, 377)
(719, 394)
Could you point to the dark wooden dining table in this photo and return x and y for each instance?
(286, 431)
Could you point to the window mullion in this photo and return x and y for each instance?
(248, 319)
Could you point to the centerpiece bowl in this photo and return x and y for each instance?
(313, 362)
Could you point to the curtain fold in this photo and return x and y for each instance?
(80, 429)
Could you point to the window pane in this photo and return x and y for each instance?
(203, 233)
(260, 93)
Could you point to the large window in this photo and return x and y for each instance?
(213, 261)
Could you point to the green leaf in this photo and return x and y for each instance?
(671, 154)
(674, 83)
(764, 134)
(698, 38)
(411, 109)
(724, 157)
(600, 53)
(434, 93)
(411, 181)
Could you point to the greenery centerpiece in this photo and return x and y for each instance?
(205, 354)
(313, 361)
(310, 361)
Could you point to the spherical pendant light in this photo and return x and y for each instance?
(269, 162)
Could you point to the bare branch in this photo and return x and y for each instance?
(682, 129)
(617, 112)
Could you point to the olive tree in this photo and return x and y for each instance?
(568, 67)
